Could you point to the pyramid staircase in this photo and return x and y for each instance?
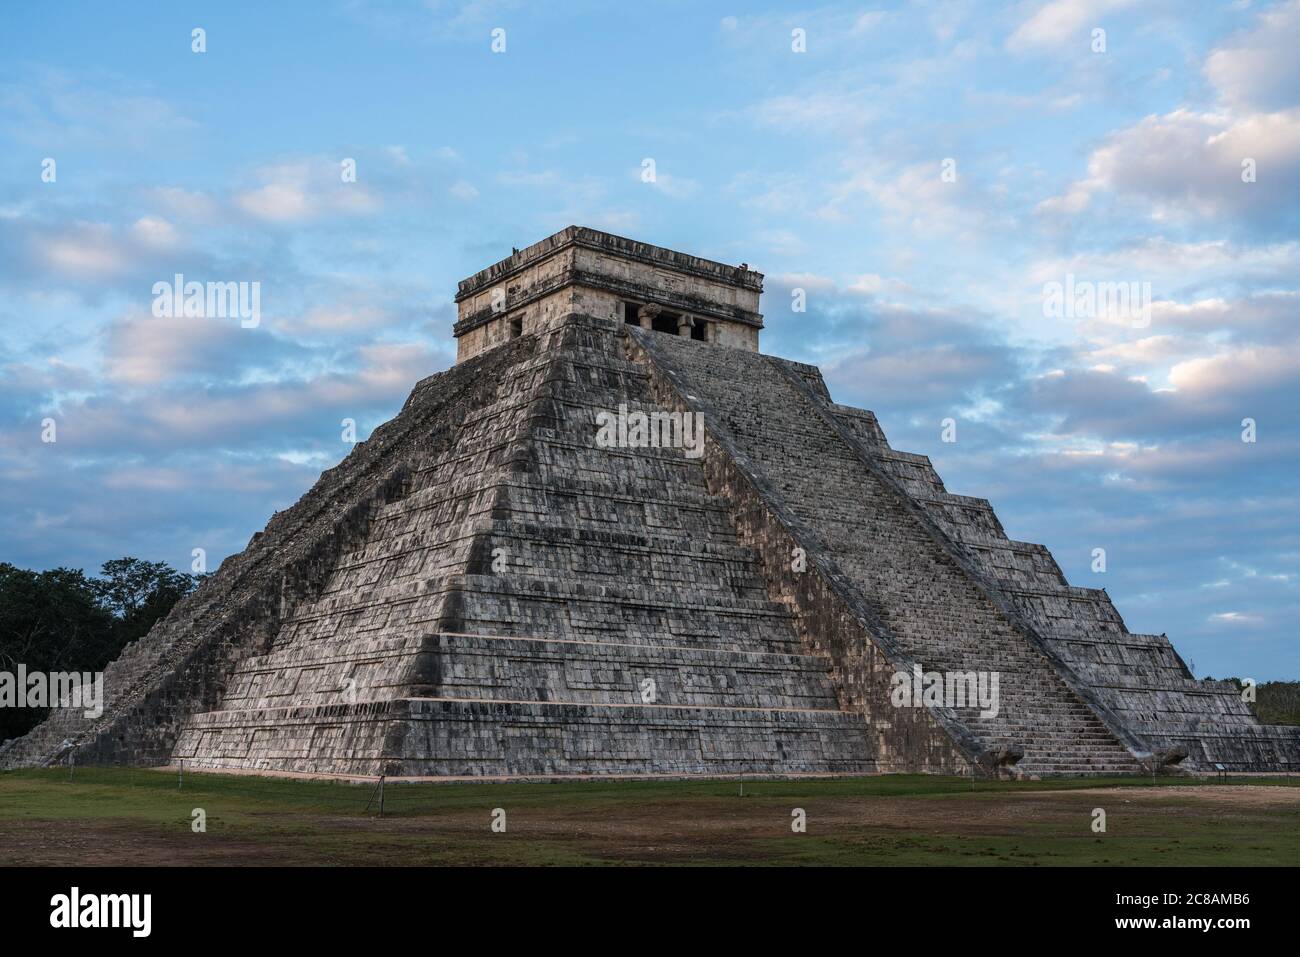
(928, 610)
(534, 606)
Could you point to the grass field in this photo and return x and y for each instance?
(122, 816)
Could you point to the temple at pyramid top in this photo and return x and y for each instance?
(582, 270)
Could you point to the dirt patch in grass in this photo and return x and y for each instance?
(1235, 795)
(109, 842)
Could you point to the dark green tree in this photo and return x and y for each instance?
(64, 620)
(138, 593)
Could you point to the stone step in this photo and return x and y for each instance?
(935, 613)
(453, 737)
(484, 667)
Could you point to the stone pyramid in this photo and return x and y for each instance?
(484, 588)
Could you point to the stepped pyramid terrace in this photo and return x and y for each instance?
(485, 588)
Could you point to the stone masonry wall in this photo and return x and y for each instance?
(1141, 679)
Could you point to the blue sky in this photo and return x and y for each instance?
(825, 169)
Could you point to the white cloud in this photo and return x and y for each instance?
(674, 187)
(183, 203)
(1158, 259)
(56, 110)
(868, 21)
(1259, 68)
(1236, 370)
(1191, 163)
(145, 350)
(1188, 164)
(827, 112)
(463, 191)
(85, 251)
(296, 191)
(277, 202)
(1236, 618)
(334, 318)
(917, 197)
(872, 284)
(1061, 23)
(801, 280)
(155, 233)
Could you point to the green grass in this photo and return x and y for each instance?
(99, 815)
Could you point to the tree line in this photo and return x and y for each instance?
(66, 620)
(1276, 702)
